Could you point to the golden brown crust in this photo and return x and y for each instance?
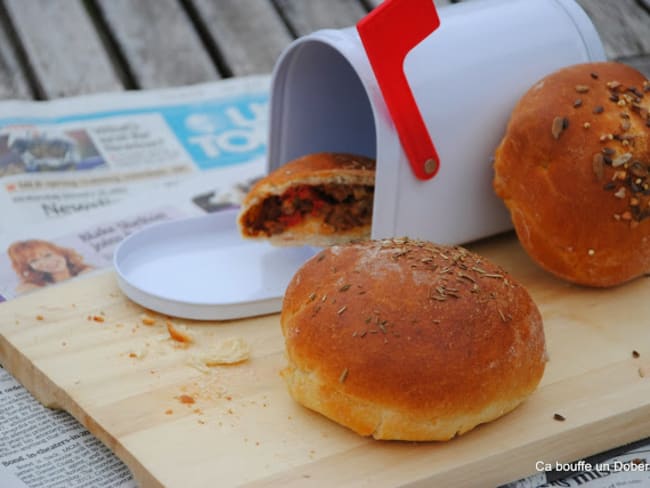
(402, 339)
(578, 194)
(312, 169)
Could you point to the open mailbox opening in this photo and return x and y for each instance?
(324, 106)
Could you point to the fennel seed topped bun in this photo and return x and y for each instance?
(406, 340)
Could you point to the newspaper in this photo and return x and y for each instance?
(79, 175)
(75, 155)
(47, 448)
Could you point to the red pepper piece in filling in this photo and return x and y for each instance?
(317, 205)
(290, 220)
(296, 194)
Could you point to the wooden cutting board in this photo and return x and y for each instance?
(82, 346)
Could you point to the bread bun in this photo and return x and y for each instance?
(319, 199)
(406, 340)
(573, 168)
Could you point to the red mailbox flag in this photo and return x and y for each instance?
(388, 33)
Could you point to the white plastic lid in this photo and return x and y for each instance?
(201, 268)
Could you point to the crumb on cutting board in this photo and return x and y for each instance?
(147, 319)
(179, 333)
(186, 399)
(227, 351)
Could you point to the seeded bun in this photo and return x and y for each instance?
(405, 340)
(318, 199)
(573, 168)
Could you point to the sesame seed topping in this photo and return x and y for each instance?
(622, 159)
(625, 125)
(558, 126)
(344, 375)
(598, 165)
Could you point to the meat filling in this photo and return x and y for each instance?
(341, 207)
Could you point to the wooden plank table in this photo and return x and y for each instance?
(95, 46)
(104, 45)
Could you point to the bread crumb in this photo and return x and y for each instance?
(228, 351)
(198, 364)
(40, 317)
(139, 352)
(179, 333)
(98, 318)
(186, 399)
(169, 411)
(147, 320)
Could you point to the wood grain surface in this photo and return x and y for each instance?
(82, 346)
(159, 42)
(249, 35)
(72, 47)
(13, 80)
(64, 51)
(305, 16)
(623, 26)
